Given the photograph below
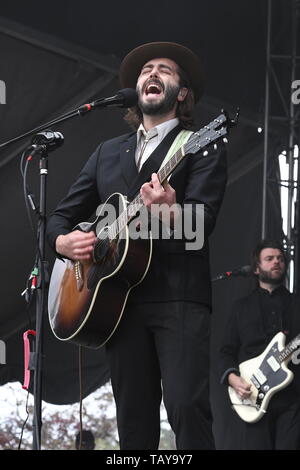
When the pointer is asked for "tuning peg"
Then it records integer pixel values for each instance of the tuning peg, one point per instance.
(234, 121)
(225, 140)
(205, 153)
(215, 146)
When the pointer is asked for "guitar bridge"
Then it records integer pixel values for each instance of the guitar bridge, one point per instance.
(78, 275)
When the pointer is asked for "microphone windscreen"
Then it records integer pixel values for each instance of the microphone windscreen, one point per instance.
(130, 97)
(246, 270)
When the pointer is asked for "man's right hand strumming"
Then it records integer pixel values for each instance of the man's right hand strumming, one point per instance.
(76, 245)
(241, 387)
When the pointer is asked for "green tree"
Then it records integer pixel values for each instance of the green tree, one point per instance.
(62, 423)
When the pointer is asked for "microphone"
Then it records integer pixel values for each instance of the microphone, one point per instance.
(47, 141)
(243, 271)
(125, 98)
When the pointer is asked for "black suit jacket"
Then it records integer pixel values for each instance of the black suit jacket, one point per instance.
(175, 273)
(246, 336)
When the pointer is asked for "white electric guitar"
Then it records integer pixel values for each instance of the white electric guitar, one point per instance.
(267, 374)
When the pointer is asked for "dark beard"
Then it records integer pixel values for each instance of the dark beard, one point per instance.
(164, 106)
(266, 277)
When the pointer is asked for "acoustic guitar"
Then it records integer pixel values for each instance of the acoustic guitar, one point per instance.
(87, 298)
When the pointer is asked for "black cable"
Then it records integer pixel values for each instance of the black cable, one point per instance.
(38, 259)
(80, 394)
(26, 192)
(24, 423)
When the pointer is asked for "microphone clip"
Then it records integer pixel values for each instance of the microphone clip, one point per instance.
(46, 141)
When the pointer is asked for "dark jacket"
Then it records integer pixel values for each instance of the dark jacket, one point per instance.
(175, 273)
(247, 333)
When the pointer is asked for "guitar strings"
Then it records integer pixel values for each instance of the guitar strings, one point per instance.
(245, 404)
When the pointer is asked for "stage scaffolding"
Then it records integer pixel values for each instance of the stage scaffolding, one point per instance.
(283, 113)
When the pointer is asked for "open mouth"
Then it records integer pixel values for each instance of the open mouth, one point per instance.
(153, 88)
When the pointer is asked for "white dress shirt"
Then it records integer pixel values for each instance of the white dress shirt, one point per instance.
(154, 136)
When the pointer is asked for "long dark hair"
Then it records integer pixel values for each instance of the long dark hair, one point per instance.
(184, 112)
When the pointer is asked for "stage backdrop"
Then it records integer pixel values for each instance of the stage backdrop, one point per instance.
(50, 64)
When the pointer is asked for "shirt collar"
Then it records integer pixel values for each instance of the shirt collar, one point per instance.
(162, 129)
(278, 290)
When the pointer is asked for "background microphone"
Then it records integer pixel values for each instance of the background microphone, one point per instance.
(242, 271)
(47, 140)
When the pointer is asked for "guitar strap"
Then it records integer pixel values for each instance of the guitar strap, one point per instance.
(174, 140)
(180, 140)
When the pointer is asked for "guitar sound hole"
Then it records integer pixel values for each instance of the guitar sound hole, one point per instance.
(105, 258)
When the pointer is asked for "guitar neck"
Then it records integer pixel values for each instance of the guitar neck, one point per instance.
(289, 349)
(163, 174)
(196, 142)
(136, 204)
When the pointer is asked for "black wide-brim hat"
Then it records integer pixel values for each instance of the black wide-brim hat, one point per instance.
(134, 61)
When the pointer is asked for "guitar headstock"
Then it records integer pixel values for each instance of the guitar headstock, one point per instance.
(212, 133)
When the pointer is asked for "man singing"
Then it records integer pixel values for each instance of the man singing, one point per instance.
(161, 346)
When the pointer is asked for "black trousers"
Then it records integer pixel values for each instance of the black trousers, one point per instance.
(162, 348)
(279, 429)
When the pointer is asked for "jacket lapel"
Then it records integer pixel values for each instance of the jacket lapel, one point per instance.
(153, 163)
(127, 159)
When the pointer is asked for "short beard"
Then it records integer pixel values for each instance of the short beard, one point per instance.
(164, 106)
(265, 276)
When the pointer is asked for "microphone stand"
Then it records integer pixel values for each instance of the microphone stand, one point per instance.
(42, 270)
(121, 99)
(43, 274)
(81, 111)
(41, 296)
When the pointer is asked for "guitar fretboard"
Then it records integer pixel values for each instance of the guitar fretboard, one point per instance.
(197, 141)
(289, 349)
(134, 206)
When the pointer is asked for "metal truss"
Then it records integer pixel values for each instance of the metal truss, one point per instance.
(282, 71)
